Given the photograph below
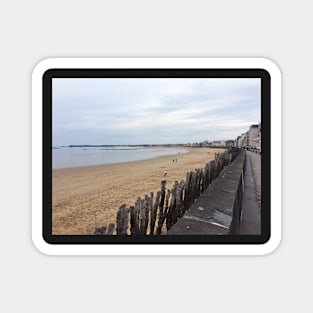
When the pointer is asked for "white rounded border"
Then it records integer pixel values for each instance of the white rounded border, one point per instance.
(155, 249)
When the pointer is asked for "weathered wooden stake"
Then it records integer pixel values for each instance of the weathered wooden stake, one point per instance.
(111, 229)
(153, 214)
(161, 208)
(134, 220)
(122, 220)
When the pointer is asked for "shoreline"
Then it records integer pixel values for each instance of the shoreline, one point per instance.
(121, 163)
(86, 197)
(186, 150)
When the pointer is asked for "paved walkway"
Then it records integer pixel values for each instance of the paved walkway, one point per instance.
(251, 201)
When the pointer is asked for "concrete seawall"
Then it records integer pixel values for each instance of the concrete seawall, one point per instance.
(217, 211)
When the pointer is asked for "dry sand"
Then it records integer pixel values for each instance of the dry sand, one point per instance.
(87, 197)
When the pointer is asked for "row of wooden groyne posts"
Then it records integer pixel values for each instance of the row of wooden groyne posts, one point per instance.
(156, 214)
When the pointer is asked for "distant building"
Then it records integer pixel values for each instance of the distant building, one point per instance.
(256, 141)
(238, 142)
(251, 138)
(253, 133)
(218, 143)
(229, 143)
(242, 140)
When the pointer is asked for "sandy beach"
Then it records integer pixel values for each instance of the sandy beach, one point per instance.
(87, 197)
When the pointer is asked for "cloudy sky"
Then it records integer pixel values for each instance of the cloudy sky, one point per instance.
(151, 110)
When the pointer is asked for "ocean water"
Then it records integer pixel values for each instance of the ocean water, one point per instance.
(63, 157)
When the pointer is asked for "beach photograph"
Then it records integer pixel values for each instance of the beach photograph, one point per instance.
(155, 156)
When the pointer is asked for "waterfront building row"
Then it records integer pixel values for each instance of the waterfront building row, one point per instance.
(251, 139)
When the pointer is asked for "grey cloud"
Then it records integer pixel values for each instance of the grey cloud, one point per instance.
(152, 111)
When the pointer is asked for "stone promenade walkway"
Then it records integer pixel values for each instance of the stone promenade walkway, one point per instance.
(251, 201)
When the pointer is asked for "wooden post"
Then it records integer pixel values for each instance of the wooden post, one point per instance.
(134, 220)
(201, 184)
(198, 183)
(111, 229)
(104, 230)
(163, 189)
(193, 188)
(210, 172)
(153, 214)
(161, 208)
(166, 214)
(183, 194)
(179, 199)
(171, 215)
(122, 220)
(144, 215)
(165, 211)
(100, 230)
(151, 211)
(187, 191)
(206, 176)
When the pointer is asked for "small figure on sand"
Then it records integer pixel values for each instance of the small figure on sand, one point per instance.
(165, 173)
(173, 160)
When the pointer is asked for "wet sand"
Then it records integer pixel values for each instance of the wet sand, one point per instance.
(87, 197)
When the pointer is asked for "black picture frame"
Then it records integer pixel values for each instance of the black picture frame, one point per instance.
(157, 73)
